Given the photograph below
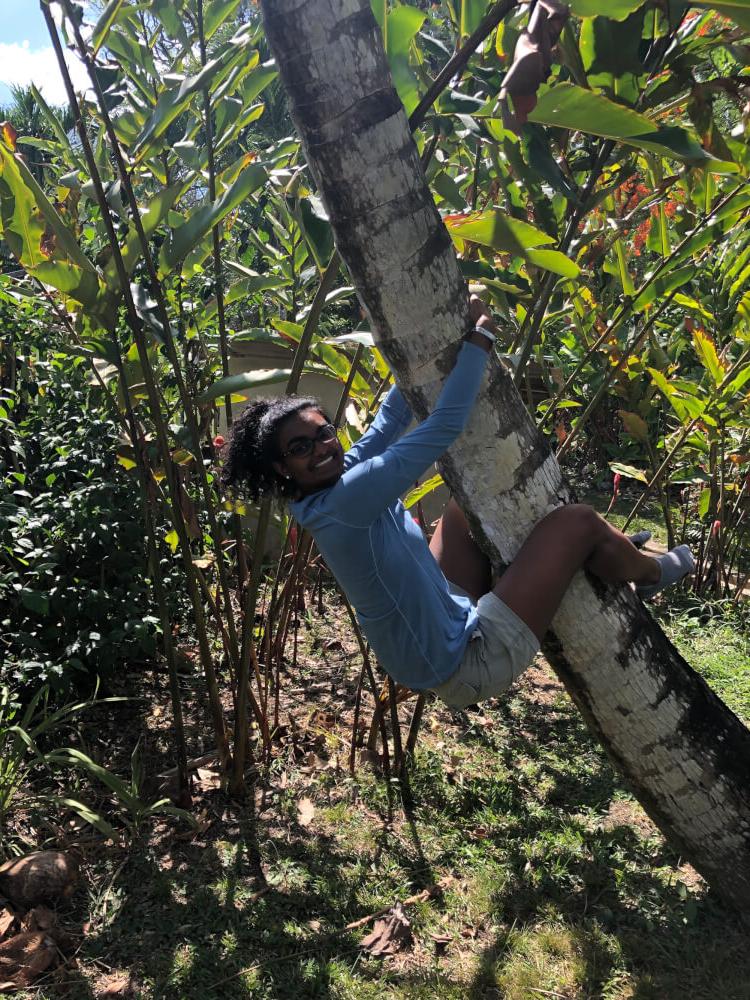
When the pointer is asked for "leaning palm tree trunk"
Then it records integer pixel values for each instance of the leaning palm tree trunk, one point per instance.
(684, 753)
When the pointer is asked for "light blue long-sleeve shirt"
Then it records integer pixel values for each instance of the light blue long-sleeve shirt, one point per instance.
(416, 627)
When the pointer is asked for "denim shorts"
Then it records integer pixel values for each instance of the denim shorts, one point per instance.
(498, 652)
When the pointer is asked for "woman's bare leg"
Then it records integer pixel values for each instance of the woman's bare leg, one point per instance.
(458, 555)
(562, 543)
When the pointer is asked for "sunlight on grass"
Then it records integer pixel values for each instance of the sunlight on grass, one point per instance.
(556, 961)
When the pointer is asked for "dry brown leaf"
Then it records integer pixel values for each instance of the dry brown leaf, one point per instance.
(208, 780)
(7, 919)
(305, 812)
(26, 956)
(392, 933)
(441, 942)
(115, 985)
(532, 60)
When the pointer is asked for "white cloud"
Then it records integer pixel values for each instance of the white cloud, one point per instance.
(22, 65)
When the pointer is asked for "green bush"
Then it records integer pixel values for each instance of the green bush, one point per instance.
(73, 588)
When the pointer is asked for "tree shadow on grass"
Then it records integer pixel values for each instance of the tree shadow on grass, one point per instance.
(666, 945)
(203, 922)
(613, 898)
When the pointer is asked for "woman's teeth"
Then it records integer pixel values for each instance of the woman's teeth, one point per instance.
(325, 461)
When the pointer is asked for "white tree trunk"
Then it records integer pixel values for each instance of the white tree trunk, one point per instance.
(685, 754)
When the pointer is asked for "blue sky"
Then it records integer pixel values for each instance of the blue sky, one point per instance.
(26, 54)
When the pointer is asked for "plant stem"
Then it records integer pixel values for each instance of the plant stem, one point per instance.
(158, 292)
(153, 395)
(457, 61)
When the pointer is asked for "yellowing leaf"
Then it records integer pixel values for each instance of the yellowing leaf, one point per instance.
(706, 351)
(9, 135)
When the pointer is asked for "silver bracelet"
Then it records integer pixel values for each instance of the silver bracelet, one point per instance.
(484, 332)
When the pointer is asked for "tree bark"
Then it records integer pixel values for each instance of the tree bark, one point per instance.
(683, 752)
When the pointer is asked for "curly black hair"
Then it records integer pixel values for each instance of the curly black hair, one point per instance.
(253, 447)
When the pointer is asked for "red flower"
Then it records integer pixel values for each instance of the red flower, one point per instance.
(716, 528)
(616, 483)
(219, 441)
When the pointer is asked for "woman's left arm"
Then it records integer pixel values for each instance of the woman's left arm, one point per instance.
(366, 489)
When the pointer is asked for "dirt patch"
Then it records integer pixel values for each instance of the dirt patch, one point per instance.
(627, 812)
(540, 685)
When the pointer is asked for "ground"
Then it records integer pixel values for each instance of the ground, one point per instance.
(529, 870)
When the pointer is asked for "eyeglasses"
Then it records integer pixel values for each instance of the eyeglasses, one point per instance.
(301, 447)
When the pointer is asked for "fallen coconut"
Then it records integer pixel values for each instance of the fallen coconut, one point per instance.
(44, 876)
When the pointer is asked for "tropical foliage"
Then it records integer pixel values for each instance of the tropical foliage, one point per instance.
(178, 220)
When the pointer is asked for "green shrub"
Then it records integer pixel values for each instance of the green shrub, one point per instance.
(73, 588)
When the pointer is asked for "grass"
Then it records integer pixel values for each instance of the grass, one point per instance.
(554, 881)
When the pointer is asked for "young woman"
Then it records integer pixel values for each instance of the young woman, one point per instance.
(431, 614)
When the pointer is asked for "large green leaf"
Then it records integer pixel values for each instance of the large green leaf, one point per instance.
(39, 237)
(243, 381)
(86, 813)
(154, 214)
(706, 351)
(472, 12)
(678, 144)
(380, 10)
(493, 228)
(186, 238)
(52, 120)
(317, 229)
(403, 22)
(171, 102)
(421, 491)
(553, 260)
(629, 470)
(71, 757)
(244, 289)
(105, 22)
(168, 13)
(138, 59)
(662, 286)
(258, 81)
(448, 190)
(217, 13)
(618, 10)
(570, 106)
(337, 365)
(612, 54)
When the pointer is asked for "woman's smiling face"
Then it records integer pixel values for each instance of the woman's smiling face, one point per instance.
(324, 463)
